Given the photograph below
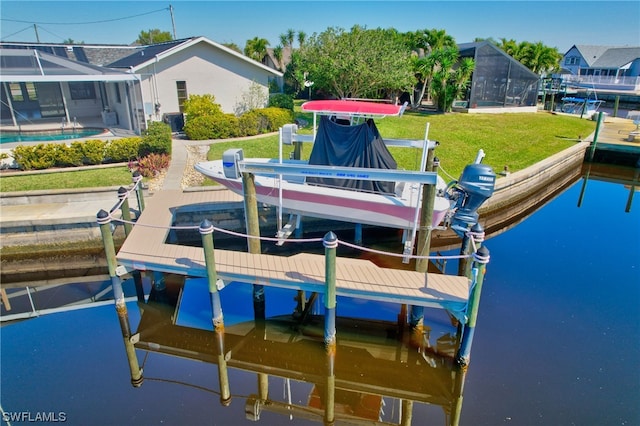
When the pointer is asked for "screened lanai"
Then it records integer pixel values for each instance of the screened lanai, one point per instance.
(498, 80)
(40, 89)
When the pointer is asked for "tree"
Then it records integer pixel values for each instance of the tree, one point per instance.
(422, 43)
(537, 57)
(451, 76)
(233, 47)
(72, 41)
(153, 36)
(256, 48)
(360, 63)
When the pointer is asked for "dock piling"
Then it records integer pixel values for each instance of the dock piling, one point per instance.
(330, 242)
(124, 208)
(253, 230)
(206, 232)
(137, 177)
(104, 220)
(481, 258)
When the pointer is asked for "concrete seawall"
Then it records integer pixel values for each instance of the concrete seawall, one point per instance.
(33, 220)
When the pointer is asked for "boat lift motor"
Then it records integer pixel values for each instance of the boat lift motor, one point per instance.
(475, 185)
(230, 159)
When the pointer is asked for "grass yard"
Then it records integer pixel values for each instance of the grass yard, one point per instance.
(513, 140)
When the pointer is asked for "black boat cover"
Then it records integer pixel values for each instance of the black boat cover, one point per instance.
(351, 146)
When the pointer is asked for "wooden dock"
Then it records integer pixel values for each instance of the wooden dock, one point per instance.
(146, 249)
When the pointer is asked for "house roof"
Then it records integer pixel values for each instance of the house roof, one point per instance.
(130, 57)
(608, 56)
(22, 65)
(617, 57)
(146, 55)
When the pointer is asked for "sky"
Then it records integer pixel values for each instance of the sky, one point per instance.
(559, 24)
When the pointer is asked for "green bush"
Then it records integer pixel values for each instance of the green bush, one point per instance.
(201, 105)
(35, 157)
(281, 100)
(264, 120)
(217, 126)
(68, 155)
(92, 150)
(156, 139)
(122, 150)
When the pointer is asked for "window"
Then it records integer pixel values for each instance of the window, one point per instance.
(82, 90)
(31, 91)
(181, 87)
(572, 60)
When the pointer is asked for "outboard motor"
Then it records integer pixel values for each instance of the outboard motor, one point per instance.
(475, 186)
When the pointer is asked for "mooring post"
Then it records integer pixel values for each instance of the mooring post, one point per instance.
(206, 232)
(481, 258)
(407, 413)
(104, 220)
(330, 391)
(253, 240)
(124, 208)
(595, 137)
(330, 243)
(458, 390)
(426, 216)
(472, 239)
(137, 177)
(223, 373)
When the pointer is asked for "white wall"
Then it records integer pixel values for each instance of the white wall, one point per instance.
(206, 70)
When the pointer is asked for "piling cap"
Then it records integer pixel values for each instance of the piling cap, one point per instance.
(122, 192)
(103, 217)
(206, 227)
(330, 240)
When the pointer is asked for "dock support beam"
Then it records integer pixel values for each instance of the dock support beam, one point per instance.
(481, 258)
(253, 241)
(137, 177)
(330, 243)
(206, 231)
(592, 151)
(104, 220)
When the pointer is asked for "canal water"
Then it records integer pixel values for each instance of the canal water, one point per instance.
(557, 343)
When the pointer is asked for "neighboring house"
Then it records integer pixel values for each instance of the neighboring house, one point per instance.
(271, 61)
(603, 67)
(499, 82)
(161, 76)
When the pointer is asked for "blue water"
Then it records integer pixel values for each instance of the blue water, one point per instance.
(557, 340)
(7, 137)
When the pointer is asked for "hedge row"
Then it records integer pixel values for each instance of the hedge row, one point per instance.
(254, 122)
(157, 140)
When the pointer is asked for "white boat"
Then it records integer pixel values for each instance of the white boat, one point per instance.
(330, 185)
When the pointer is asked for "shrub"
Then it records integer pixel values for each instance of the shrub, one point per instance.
(156, 139)
(92, 150)
(151, 165)
(281, 100)
(211, 127)
(201, 105)
(121, 150)
(68, 155)
(264, 120)
(35, 157)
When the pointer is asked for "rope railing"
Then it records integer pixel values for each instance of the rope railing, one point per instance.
(474, 237)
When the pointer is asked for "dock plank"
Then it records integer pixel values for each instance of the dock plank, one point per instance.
(145, 249)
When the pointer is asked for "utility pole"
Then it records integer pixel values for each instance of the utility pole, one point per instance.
(35, 28)
(173, 22)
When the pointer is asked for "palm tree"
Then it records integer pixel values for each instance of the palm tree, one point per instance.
(256, 48)
(451, 76)
(277, 54)
(302, 37)
(540, 58)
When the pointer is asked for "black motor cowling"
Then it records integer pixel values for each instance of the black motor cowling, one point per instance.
(475, 186)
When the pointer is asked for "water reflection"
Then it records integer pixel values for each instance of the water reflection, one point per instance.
(376, 374)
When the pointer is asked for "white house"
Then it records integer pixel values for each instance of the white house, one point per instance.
(121, 86)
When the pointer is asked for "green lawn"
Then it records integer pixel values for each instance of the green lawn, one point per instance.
(513, 140)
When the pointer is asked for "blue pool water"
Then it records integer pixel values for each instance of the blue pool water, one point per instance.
(557, 339)
(53, 135)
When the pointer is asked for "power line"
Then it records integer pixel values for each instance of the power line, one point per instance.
(18, 32)
(84, 23)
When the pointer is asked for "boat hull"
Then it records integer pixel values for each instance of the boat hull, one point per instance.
(297, 197)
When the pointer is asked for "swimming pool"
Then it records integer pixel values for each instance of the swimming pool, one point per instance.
(48, 135)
